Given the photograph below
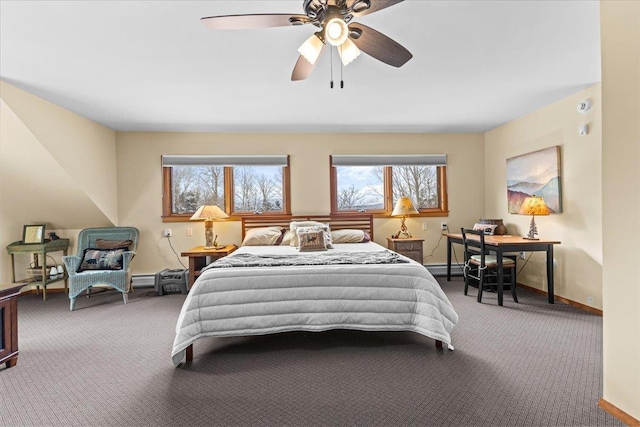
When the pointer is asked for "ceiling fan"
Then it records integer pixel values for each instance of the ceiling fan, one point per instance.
(333, 18)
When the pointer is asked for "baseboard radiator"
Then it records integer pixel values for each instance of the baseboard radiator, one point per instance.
(143, 280)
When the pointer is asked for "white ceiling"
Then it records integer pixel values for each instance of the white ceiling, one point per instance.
(151, 65)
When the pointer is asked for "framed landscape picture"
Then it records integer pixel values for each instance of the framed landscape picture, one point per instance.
(536, 173)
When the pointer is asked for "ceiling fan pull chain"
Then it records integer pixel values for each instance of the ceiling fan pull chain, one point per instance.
(341, 68)
(331, 66)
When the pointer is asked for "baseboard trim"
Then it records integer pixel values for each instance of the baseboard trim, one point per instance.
(564, 300)
(456, 270)
(618, 413)
(49, 291)
(148, 281)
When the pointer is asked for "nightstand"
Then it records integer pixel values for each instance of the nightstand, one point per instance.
(198, 259)
(411, 248)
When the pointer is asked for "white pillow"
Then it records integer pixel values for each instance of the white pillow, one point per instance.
(347, 236)
(287, 238)
(262, 236)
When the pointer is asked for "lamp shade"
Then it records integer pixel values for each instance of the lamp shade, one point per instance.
(311, 49)
(534, 205)
(348, 52)
(404, 207)
(208, 212)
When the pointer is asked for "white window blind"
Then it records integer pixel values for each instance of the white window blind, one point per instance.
(389, 160)
(214, 160)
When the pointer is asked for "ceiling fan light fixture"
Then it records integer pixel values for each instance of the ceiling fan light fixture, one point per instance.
(311, 49)
(336, 31)
(348, 52)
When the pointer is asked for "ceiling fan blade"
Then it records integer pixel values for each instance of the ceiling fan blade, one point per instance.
(378, 45)
(375, 5)
(241, 22)
(303, 68)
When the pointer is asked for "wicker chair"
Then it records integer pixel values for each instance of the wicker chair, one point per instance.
(119, 279)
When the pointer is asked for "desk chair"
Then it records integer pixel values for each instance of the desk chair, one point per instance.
(483, 267)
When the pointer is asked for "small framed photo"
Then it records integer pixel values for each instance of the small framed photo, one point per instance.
(33, 234)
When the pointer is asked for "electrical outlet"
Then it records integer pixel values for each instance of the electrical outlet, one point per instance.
(521, 255)
(444, 226)
(425, 226)
(167, 232)
(555, 263)
(189, 231)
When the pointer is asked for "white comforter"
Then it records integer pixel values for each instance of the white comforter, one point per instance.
(263, 300)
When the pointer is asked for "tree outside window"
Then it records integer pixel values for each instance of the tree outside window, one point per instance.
(194, 186)
(257, 189)
(238, 190)
(376, 189)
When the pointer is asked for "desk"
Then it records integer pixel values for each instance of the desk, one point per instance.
(198, 259)
(502, 244)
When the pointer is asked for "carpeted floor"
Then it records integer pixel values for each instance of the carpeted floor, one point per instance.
(527, 364)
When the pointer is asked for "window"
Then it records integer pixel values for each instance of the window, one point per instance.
(373, 184)
(239, 185)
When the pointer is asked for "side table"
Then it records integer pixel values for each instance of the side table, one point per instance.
(410, 247)
(9, 322)
(198, 259)
(39, 252)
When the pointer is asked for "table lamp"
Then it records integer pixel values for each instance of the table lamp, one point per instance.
(209, 213)
(403, 208)
(533, 205)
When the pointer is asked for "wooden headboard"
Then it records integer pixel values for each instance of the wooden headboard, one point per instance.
(362, 222)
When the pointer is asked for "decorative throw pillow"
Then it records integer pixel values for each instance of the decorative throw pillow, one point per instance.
(487, 228)
(263, 236)
(113, 244)
(294, 225)
(311, 239)
(97, 259)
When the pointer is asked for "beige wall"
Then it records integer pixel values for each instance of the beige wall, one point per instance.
(140, 182)
(84, 149)
(56, 168)
(620, 37)
(578, 272)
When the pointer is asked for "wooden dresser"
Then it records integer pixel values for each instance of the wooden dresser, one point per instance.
(9, 323)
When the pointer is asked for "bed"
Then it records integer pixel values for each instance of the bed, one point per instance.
(268, 289)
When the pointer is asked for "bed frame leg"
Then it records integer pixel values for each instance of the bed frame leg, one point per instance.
(190, 353)
(438, 344)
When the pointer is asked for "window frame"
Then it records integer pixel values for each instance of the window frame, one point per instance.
(167, 196)
(442, 211)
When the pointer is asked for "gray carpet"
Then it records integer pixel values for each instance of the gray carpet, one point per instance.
(109, 364)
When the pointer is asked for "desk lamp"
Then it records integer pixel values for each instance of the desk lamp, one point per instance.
(533, 205)
(209, 213)
(403, 208)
